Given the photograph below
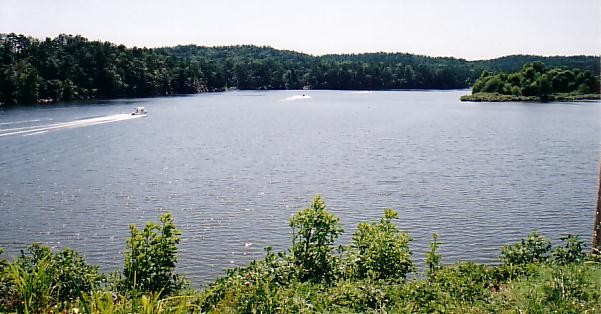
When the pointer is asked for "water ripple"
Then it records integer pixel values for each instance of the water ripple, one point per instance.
(233, 169)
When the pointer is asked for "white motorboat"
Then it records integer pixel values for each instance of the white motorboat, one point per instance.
(139, 111)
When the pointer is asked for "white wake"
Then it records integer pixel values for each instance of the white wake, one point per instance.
(297, 97)
(23, 121)
(40, 129)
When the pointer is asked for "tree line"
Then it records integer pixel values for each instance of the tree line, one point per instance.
(70, 67)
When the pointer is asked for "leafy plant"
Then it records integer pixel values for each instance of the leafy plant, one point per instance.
(572, 251)
(40, 278)
(382, 251)
(314, 231)
(377, 261)
(534, 249)
(31, 286)
(150, 258)
(432, 257)
(3, 262)
(464, 281)
(5, 285)
(71, 276)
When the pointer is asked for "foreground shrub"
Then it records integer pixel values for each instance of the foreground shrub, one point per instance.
(534, 249)
(571, 252)
(5, 283)
(368, 276)
(465, 281)
(150, 258)
(72, 276)
(31, 287)
(314, 231)
(41, 279)
(381, 251)
(253, 288)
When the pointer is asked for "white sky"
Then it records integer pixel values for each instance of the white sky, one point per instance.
(471, 29)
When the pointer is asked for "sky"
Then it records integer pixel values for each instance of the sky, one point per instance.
(470, 29)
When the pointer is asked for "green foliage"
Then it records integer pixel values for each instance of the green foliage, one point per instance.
(314, 231)
(71, 67)
(465, 281)
(150, 258)
(3, 262)
(535, 80)
(381, 251)
(43, 279)
(40, 281)
(31, 286)
(496, 97)
(493, 85)
(433, 259)
(5, 285)
(534, 249)
(571, 252)
(574, 288)
(106, 302)
(254, 288)
(72, 276)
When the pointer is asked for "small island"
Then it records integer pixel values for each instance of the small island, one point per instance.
(536, 83)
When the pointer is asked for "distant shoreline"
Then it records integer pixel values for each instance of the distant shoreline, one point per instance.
(496, 97)
(71, 67)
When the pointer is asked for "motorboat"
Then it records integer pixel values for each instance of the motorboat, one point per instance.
(139, 111)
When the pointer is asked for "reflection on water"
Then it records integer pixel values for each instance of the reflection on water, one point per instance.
(233, 168)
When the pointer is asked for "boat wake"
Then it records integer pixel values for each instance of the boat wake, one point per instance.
(297, 97)
(40, 129)
(23, 121)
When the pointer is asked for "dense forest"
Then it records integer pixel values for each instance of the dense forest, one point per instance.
(535, 82)
(71, 67)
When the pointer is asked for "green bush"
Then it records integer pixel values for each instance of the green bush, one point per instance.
(41, 278)
(314, 231)
(150, 258)
(465, 281)
(5, 285)
(3, 262)
(31, 286)
(254, 288)
(72, 276)
(421, 297)
(381, 251)
(571, 252)
(534, 249)
(369, 277)
(433, 259)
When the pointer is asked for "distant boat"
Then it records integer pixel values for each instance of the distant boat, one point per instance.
(139, 111)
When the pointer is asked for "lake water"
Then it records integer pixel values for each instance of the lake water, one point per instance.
(233, 167)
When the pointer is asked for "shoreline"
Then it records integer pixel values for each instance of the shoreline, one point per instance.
(496, 97)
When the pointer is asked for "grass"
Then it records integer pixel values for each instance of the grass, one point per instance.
(459, 289)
